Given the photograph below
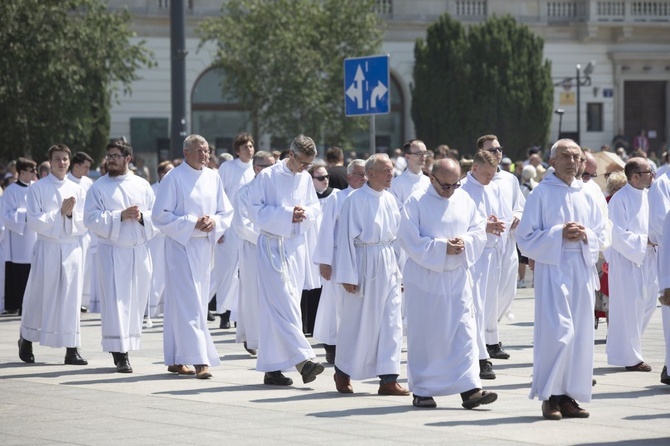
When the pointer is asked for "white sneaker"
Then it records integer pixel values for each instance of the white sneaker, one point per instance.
(521, 284)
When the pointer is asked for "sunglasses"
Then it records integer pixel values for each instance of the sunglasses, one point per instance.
(322, 178)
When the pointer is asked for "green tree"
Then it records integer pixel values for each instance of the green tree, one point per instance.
(283, 60)
(497, 82)
(63, 63)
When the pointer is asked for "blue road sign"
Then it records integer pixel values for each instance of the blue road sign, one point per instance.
(366, 86)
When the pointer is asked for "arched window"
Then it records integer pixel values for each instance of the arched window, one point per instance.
(215, 115)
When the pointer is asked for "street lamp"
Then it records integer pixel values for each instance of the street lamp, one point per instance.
(587, 81)
(559, 112)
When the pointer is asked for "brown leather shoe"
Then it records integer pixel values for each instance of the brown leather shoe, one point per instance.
(202, 372)
(392, 389)
(343, 383)
(550, 409)
(181, 369)
(570, 409)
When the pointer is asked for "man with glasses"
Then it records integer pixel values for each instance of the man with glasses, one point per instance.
(486, 270)
(369, 337)
(632, 269)
(52, 302)
(192, 210)
(118, 211)
(19, 238)
(443, 234)
(563, 230)
(412, 179)
(284, 206)
(325, 325)
(512, 201)
(587, 172)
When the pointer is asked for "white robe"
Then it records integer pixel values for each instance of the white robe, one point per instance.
(283, 259)
(225, 279)
(327, 317)
(157, 251)
(248, 323)
(438, 292)
(486, 270)
(123, 262)
(565, 283)
(20, 238)
(52, 301)
(659, 206)
(512, 200)
(86, 241)
(369, 337)
(184, 195)
(633, 281)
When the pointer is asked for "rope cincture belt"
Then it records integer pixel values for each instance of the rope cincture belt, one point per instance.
(358, 243)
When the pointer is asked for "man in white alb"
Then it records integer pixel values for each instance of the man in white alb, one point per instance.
(443, 234)
(192, 210)
(562, 229)
(284, 206)
(118, 210)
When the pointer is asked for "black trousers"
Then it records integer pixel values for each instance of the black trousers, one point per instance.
(309, 303)
(16, 278)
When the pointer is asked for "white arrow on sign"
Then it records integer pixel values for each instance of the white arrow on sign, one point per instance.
(355, 90)
(377, 93)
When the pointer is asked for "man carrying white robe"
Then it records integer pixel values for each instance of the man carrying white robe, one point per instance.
(192, 210)
(633, 269)
(52, 301)
(79, 168)
(443, 234)
(225, 281)
(512, 202)
(284, 206)
(486, 270)
(562, 229)
(118, 210)
(327, 319)
(248, 328)
(369, 337)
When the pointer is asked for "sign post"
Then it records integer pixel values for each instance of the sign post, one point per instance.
(366, 89)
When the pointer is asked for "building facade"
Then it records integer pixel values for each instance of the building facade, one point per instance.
(618, 50)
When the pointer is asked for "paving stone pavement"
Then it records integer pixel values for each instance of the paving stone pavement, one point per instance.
(48, 403)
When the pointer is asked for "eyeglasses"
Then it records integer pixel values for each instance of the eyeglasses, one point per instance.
(589, 175)
(646, 171)
(447, 187)
(322, 178)
(359, 175)
(420, 153)
(31, 170)
(303, 164)
(200, 152)
(263, 166)
(114, 156)
(495, 149)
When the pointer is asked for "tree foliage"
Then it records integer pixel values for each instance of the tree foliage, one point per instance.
(62, 63)
(491, 78)
(283, 60)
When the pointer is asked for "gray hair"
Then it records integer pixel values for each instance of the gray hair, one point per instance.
(561, 143)
(355, 163)
(303, 144)
(192, 139)
(374, 159)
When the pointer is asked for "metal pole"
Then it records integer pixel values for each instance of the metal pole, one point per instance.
(178, 79)
(373, 137)
(579, 116)
(560, 123)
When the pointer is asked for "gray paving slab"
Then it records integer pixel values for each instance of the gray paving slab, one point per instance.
(49, 403)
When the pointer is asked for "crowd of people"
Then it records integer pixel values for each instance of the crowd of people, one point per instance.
(283, 245)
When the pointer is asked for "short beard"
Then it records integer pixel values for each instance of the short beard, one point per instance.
(116, 172)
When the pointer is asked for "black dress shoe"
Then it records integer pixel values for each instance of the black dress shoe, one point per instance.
(72, 357)
(276, 379)
(26, 351)
(486, 369)
(330, 353)
(210, 316)
(310, 370)
(123, 364)
(225, 320)
(84, 309)
(251, 351)
(496, 351)
(665, 379)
